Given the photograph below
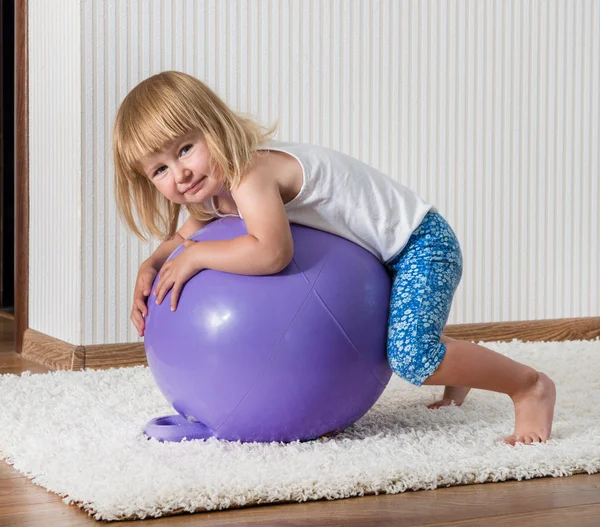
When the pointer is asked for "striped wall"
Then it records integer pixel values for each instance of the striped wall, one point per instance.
(489, 109)
(55, 169)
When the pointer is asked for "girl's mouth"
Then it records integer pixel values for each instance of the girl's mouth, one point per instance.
(194, 187)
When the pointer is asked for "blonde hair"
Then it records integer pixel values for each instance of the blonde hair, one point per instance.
(159, 110)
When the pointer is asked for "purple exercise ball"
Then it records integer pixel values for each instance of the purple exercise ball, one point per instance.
(283, 357)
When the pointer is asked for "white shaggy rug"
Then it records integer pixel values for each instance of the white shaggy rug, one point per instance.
(79, 434)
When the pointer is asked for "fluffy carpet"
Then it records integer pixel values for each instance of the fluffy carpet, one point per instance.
(79, 435)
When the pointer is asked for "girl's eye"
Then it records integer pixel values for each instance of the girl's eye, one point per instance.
(159, 170)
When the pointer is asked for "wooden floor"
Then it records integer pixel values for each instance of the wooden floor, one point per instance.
(548, 502)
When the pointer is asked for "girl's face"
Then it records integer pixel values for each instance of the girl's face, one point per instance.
(181, 171)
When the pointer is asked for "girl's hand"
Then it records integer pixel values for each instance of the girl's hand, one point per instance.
(143, 286)
(176, 272)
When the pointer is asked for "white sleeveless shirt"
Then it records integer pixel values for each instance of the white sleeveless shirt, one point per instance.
(347, 197)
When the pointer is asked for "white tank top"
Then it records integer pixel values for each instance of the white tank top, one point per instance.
(347, 197)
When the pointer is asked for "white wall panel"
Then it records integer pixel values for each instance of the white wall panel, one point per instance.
(489, 109)
(55, 165)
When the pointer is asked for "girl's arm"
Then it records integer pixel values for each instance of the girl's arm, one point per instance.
(268, 247)
(162, 252)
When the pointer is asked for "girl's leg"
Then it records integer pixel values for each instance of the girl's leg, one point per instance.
(452, 394)
(533, 393)
(425, 277)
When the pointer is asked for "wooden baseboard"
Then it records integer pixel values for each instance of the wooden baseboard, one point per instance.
(59, 355)
(528, 330)
(51, 352)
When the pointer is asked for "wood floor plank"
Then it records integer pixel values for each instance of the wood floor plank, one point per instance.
(48, 515)
(581, 516)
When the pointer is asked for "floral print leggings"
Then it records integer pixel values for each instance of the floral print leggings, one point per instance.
(425, 275)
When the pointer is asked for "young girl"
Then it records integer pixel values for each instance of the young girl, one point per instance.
(177, 144)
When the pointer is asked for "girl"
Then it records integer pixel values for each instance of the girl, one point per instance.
(177, 144)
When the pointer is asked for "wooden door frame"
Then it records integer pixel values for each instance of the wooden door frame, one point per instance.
(21, 128)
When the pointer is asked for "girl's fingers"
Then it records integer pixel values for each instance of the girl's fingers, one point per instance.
(160, 285)
(142, 291)
(175, 296)
(164, 290)
(138, 322)
(141, 306)
(148, 285)
(143, 287)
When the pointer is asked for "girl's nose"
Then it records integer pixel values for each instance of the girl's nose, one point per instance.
(183, 175)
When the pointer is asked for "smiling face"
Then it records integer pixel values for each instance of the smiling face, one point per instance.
(181, 171)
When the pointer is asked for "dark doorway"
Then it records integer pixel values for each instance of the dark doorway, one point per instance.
(7, 182)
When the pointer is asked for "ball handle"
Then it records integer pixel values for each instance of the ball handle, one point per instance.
(175, 428)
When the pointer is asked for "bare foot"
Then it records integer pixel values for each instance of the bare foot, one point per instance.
(534, 411)
(452, 394)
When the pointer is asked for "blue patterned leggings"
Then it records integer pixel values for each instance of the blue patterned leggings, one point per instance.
(425, 276)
